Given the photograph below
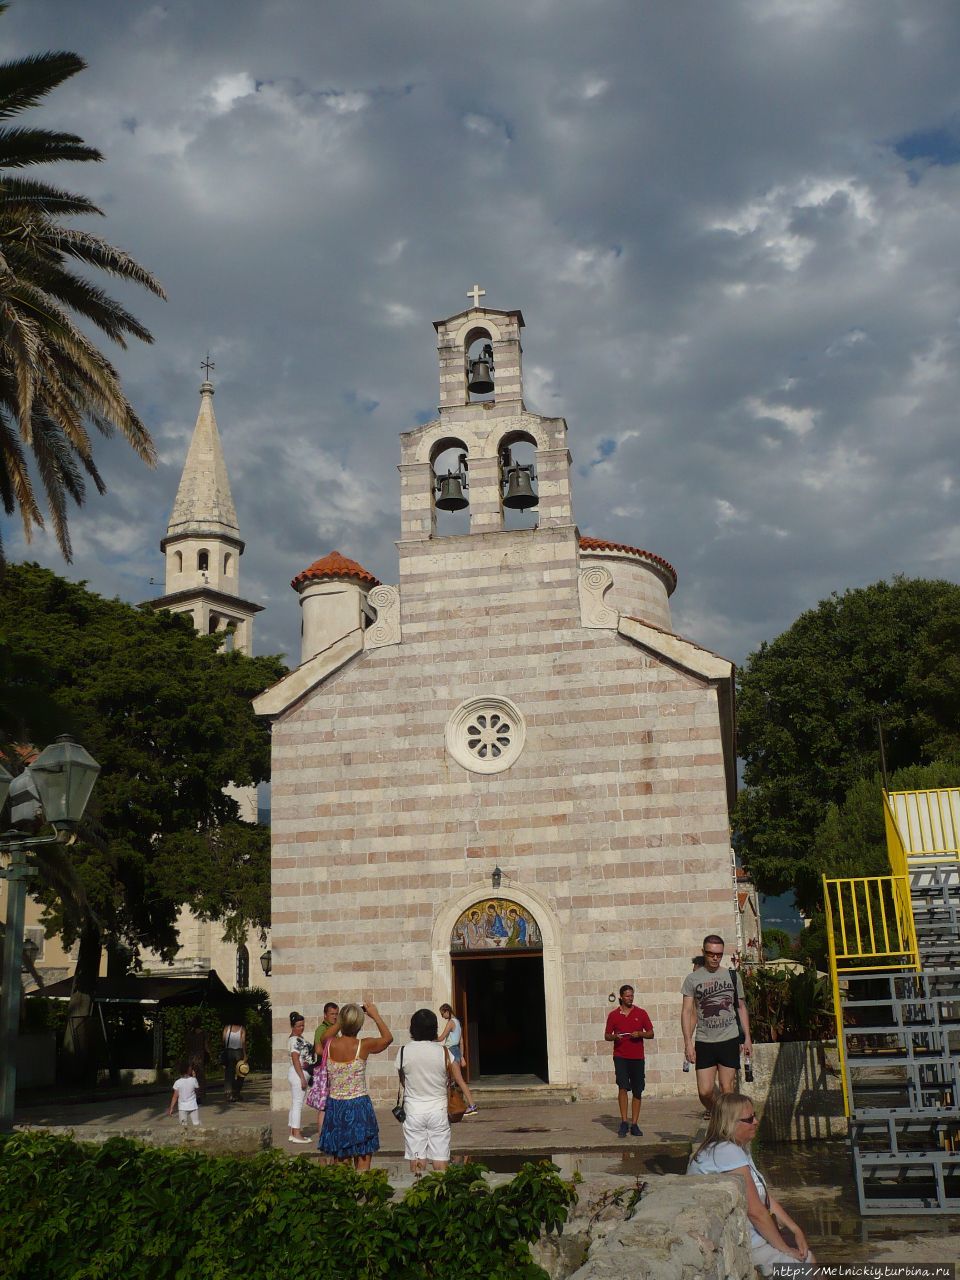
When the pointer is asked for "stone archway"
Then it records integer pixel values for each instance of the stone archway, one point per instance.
(549, 954)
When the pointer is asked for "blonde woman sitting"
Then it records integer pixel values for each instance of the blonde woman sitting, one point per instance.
(726, 1149)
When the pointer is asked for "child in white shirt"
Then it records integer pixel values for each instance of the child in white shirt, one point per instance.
(185, 1095)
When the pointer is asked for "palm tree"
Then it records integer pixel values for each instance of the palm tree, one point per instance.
(55, 382)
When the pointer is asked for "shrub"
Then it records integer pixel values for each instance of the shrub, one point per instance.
(75, 1211)
(787, 1005)
(252, 1007)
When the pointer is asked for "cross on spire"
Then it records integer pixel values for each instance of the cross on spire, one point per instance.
(476, 293)
(207, 364)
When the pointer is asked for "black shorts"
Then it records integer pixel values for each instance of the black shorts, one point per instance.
(725, 1053)
(630, 1074)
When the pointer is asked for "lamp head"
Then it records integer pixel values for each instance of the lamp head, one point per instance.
(64, 774)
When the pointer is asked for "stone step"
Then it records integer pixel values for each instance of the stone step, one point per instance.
(502, 1095)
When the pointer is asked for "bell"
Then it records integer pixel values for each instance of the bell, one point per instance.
(481, 376)
(450, 494)
(520, 494)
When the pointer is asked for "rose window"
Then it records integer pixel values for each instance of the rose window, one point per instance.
(485, 735)
(489, 735)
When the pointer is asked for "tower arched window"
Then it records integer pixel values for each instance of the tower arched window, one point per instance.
(243, 966)
(517, 452)
(478, 365)
(178, 561)
(451, 487)
(227, 564)
(203, 561)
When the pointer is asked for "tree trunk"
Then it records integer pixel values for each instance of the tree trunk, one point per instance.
(82, 1040)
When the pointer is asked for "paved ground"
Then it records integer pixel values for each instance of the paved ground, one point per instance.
(814, 1181)
(502, 1130)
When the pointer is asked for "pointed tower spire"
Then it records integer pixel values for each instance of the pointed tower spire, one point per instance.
(202, 547)
(204, 503)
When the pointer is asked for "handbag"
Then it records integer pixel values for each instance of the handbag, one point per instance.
(456, 1102)
(736, 1007)
(319, 1090)
(399, 1111)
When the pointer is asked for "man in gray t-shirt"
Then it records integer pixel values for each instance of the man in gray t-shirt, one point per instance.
(712, 995)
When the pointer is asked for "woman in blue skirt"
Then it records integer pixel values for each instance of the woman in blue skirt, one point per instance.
(349, 1124)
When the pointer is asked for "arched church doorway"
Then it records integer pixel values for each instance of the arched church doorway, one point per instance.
(496, 951)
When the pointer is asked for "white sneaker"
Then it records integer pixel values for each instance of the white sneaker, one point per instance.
(292, 1139)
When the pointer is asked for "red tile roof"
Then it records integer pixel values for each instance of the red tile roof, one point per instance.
(334, 566)
(600, 544)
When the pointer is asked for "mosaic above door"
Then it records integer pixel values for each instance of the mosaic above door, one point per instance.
(496, 924)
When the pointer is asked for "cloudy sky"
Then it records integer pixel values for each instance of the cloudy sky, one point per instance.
(731, 226)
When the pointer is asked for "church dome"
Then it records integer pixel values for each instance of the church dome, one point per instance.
(335, 567)
(643, 582)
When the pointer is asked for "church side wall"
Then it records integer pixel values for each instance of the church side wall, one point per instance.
(614, 814)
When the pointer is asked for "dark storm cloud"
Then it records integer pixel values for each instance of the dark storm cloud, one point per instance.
(731, 229)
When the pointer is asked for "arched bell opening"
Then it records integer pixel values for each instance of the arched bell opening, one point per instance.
(478, 366)
(451, 487)
(203, 561)
(517, 452)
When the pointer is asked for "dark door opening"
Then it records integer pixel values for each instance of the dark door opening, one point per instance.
(500, 1002)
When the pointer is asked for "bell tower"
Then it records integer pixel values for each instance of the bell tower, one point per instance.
(202, 547)
(484, 422)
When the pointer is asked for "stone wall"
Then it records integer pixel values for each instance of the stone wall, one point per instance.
(797, 1090)
(613, 821)
(682, 1228)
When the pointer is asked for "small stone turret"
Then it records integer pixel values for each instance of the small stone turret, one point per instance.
(333, 593)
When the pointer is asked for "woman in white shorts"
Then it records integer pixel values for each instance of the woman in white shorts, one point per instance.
(423, 1068)
(726, 1149)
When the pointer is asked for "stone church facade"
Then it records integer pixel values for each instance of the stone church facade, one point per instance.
(503, 782)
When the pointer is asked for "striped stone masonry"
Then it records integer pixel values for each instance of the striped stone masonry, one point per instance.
(611, 826)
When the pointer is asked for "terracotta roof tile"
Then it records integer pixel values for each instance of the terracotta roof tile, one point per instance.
(334, 566)
(601, 544)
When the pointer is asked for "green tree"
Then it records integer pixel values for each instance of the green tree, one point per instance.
(169, 719)
(809, 705)
(776, 943)
(55, 383)
(851, 840)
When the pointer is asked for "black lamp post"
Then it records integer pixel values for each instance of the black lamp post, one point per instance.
(54, 789)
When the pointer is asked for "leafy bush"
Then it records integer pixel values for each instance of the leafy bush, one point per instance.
(40, 1014)
(76, 1211)
(252, 1007)
(788, 1006)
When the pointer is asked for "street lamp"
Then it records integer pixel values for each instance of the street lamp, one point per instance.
(266, 963)
(55, 788)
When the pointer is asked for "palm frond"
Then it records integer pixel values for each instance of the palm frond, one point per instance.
(97, 252)
(20, 195)
(25, 81)
(22, 147)
(54, 380)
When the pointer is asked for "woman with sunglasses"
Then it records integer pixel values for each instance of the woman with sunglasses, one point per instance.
(726, 1149)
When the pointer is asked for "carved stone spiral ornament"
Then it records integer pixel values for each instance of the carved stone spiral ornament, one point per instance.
(594, 580)
(486, 734)
(386, 629)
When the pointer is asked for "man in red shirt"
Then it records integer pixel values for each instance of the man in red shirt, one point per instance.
(628, 1026)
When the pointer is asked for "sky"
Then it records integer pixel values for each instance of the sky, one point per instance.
(731, 227)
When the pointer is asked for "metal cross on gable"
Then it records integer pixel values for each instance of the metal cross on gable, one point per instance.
(207, 364)
(476, 293)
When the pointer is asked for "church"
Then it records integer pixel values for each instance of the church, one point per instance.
(503, 782)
